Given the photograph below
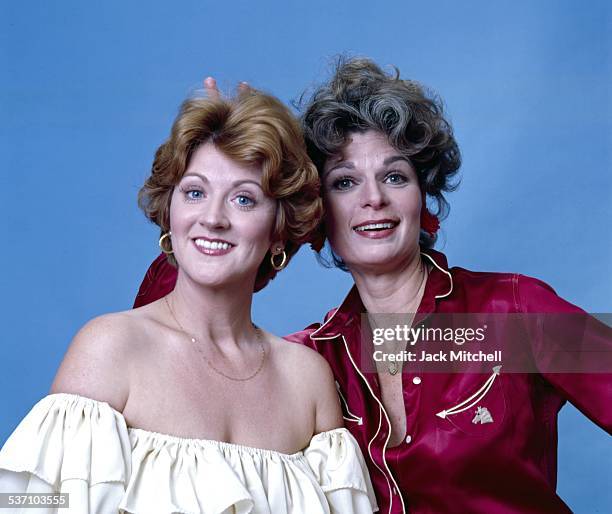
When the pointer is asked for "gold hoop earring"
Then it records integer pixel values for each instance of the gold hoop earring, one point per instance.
(283, 262)
(161, 243)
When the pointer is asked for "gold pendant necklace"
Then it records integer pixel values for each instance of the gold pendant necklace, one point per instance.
(209, 362)
(392, 366)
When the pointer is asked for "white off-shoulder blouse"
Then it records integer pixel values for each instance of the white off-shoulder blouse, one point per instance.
(76, 445)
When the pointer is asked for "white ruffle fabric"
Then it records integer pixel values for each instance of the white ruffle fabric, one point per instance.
(71, 444)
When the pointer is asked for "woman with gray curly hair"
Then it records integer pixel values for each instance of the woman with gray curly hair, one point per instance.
(439, 438)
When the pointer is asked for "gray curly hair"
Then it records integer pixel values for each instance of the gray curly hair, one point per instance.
(360, 96)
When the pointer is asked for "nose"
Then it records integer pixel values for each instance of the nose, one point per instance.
(373, 195)
(213, 215)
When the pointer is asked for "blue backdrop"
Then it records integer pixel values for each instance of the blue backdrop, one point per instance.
(89, 90)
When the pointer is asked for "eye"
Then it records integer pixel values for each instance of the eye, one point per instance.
(343, 183)
(192, 194)
(244, 201)
(395, 178)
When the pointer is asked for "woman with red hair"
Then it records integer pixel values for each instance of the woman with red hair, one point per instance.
(183, 404)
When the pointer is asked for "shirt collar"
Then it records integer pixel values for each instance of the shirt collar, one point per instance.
(439, 285)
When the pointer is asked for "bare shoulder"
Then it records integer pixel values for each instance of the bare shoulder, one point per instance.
(300, 357)
(313, 376)
(96, 364)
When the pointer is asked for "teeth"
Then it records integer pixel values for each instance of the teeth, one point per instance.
(212, 245)
(374, 226)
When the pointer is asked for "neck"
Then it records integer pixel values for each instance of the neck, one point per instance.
(219, 315)
(398, 291)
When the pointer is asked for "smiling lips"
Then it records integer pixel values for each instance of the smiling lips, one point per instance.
(213, 246)
(376, 229)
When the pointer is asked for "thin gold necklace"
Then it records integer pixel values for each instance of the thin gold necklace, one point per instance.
(393, 366)
(218, 371)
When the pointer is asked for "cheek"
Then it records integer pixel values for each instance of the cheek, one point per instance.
(409, 204)
(178, 215)
(415, 210)
(257, 228)
(257, 232)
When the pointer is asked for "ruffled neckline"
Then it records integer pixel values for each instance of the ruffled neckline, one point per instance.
(162, 438)
(69, 442)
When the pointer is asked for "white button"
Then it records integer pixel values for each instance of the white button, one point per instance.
(416, 380)
(408, 439)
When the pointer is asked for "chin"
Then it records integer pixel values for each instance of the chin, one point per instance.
(212, 277)
(380, 262)
(210, 282)
(373, 262)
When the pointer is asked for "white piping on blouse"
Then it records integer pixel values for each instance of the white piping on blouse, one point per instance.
(381, 408)
(450, 277)
(352, 417)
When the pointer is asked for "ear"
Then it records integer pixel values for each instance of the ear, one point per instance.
(277, 247)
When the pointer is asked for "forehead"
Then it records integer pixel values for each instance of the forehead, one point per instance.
(210, 162)
(363, 148)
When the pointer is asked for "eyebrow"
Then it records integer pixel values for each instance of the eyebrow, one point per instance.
(395, 158)
(234, 184)
(351, 166)
(344, 164)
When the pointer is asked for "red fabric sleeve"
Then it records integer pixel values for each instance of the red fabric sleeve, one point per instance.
(158, 281)
(567, 332)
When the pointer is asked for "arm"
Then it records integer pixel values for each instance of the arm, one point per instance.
(328, 411)
(564, 339)
(78, 442)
